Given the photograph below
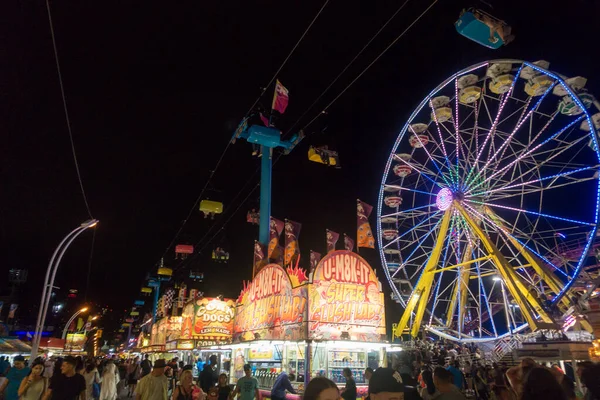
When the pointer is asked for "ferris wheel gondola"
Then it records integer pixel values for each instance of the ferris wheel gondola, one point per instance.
(490, 184)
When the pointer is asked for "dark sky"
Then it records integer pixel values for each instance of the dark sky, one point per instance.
(155, 90)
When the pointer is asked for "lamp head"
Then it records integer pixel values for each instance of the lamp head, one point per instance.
(84, 309)
(89, 223)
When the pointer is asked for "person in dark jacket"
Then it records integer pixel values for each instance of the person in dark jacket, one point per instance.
(282, 383)
(146, 366)
(208, 378)
(350, 390)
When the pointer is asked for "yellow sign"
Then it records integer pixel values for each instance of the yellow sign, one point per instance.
(185, 344)
(261, 353)
(75, 341)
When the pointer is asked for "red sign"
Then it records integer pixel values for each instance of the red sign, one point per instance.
(345, 297)
(184, 249)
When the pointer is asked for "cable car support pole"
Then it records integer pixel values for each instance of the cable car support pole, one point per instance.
(266, 167)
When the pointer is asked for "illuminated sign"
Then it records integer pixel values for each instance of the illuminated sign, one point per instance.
(209, 319)
(185, 344)
(267, 353)
(271, 308)
(171, 345)
(345, 299)
(75, 341)
(173, 330)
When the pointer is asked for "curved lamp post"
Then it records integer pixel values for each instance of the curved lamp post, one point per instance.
(64, 334)
(49, 282)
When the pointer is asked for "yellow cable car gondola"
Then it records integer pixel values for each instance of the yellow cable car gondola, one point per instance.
(146, 290)
(164, 271)
(323, 155)
(210, 208)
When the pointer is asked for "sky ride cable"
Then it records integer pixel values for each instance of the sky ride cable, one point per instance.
(213, 171)
(264, 89)
(349, 64)
(198, 252)
(66, 110)
(371, 64)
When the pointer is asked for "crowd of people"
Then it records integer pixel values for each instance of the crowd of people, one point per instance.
(443, 371)
(428, 371)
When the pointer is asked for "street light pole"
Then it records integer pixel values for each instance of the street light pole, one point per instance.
(64, 334)
(49, 281)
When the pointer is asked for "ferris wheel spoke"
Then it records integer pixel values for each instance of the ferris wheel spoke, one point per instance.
(417, 226)
(443, 147)
(524, 117)
(508, 235)
(525, 154)
(409, 259)
(441, 274)
(421, 172)
(407, 189)
(490, 134)
(440, 173)
(481, 287)
(399, 213)
(554, 177)
(536, 190)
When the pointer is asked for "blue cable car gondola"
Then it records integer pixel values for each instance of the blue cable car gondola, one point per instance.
(483, 28)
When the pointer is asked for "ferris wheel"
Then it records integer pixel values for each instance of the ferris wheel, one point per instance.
(493, 175)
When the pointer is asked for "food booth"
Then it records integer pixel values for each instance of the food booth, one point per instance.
(208, 324)
(313, 326)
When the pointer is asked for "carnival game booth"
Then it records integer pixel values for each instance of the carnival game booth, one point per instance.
(311, 327)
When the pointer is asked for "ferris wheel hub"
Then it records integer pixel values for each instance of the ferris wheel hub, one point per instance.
(444, 199)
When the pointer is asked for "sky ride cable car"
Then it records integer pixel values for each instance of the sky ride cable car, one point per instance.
(322, 155)
(220, 255)
(183, 250)
(196, 276)
(211, 208)
(483, 28)
(146, 291)
(253, 217)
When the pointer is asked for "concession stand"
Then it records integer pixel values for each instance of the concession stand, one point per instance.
(310, 326)
(208, 327)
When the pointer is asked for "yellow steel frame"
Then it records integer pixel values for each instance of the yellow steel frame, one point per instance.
(463, 264)
(528, 304)
(545, 274)
(514, 284)
(420, 294)
(460, 290)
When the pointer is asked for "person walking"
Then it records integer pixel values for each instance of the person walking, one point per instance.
(133, 373)
(207, 378)
(34, 385)
(224, 388)
(442, 379)
(68, 385)
(349, 392)
(187, 390)
(108, 390)
(91, 377)
(247, 386)
(154, 385)
(146, 366)
(282, 383)
(4, 365)
(14, 377)
(321, 388)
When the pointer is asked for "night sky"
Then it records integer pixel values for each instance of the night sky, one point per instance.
(155, 90)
